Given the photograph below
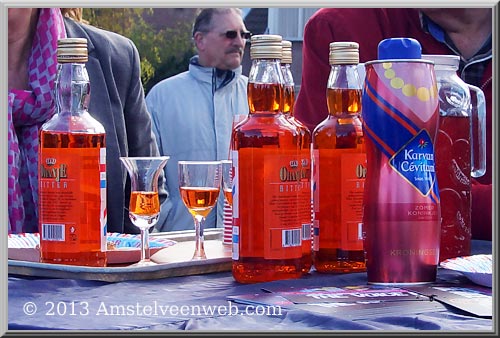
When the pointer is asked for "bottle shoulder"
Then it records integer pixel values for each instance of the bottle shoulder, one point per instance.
(70, 123)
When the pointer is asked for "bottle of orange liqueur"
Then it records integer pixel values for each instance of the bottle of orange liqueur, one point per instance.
(72, 161)
(339, 168)
(304, 192)
(266, 230)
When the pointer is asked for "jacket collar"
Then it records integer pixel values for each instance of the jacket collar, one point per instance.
(216, 77)
(429, 26)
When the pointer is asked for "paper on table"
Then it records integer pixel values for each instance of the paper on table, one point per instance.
(478, 268)
(126, 247)
(470, 298)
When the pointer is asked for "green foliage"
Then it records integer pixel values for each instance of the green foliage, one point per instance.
(164, 51)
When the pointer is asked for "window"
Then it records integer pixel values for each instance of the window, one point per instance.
(289, 22)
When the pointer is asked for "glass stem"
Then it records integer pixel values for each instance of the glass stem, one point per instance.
(145, 245)
(199, 251)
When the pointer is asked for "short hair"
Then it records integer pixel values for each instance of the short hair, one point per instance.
(203, 21)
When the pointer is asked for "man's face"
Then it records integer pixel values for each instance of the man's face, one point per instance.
(218, 50)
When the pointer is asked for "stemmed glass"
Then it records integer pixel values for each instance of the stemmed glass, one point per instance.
(199, 184)
(144, 207)
(227, 184)
(227, 180)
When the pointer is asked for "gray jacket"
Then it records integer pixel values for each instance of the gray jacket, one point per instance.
(117, 101)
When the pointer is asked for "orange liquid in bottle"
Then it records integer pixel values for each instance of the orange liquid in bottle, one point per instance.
(71, 205)
(265, 143)
(338, 143)
(304, 194)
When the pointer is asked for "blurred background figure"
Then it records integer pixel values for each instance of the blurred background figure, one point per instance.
(193, 111)
(117, 101)
(466, 32)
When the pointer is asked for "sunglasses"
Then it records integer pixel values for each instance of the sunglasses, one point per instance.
(233, 34)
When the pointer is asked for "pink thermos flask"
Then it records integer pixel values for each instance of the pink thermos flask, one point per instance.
(401, 206)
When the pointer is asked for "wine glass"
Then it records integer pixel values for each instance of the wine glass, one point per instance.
(227, 188)
(144, 207)
(227, 180)
(199, 185)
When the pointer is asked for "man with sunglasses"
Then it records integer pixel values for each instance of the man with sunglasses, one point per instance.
(193, 111)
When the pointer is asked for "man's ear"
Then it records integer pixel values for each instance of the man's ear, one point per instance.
(199, 40)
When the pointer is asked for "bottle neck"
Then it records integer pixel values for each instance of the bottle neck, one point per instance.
(344, 91)
(447, 72)
(289, 90)
(286, 69)
(72, 88)
(265, 87)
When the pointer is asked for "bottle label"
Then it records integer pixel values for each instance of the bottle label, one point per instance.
(409, 212)
(305, 201)
(338, 199)
(415, 162)
(400, 112)
(352, 173)
(72, 182)
(235, 237)
(315, 197)
(104, 211)
(315, 244)
(267, 213)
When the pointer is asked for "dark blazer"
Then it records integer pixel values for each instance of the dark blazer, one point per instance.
(117, 101)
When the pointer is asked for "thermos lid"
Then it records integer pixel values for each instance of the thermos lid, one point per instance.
(399, 48)
(287, 52)
(266, 46)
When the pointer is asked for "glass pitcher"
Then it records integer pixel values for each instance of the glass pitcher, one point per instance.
(460, 152)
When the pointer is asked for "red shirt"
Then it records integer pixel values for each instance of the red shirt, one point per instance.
(369, 26)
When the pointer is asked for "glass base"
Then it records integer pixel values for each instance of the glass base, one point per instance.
(198, 257)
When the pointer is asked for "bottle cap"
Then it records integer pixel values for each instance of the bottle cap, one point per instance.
(72, 50)
(287, 52)
(443, 60)
(266, 46)
(344, 53)
(399, 48)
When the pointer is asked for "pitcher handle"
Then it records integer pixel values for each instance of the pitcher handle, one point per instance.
(478, 132)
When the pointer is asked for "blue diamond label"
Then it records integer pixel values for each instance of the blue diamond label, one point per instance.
(415, 162)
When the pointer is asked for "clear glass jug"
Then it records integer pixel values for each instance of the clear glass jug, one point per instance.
(460, 152)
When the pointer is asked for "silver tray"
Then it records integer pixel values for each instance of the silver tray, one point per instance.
(173, 261)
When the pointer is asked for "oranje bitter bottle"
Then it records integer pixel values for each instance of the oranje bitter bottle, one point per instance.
(339, 168)
(266, 230)
(304, 192)
(72, 162)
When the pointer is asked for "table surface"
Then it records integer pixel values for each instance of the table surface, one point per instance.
(200, 302)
